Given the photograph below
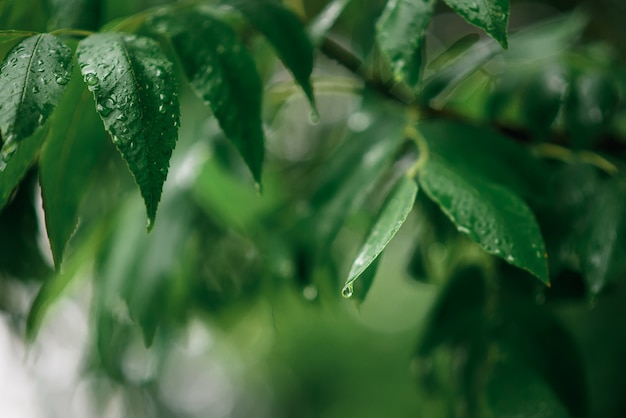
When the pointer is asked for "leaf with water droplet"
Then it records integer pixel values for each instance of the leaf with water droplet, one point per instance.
(400, 32)
(287, 35)
(13, 170)
(68, 157)
(490, 15)
(121, 71)
(28, 97)
(486, 212)
(222, 72)
(391, 217)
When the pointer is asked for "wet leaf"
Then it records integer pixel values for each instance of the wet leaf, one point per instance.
(295, 49)
(391, 217)
(67, 163)
(222, 73)
(12, 172)
(33, 78)
(490, 15)
(400, 31)
(490, 214)
(137, 99)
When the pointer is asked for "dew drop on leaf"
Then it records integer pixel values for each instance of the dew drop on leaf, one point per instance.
(347, 291)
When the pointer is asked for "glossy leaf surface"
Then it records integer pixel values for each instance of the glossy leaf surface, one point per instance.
(67, 162)
(137, 99)
(393, 214)
(490, 15)
(33, 78)
(490, 214)
(295, 50)
(400, 31)
(222, 73)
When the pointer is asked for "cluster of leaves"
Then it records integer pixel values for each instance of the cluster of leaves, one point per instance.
(440, 156)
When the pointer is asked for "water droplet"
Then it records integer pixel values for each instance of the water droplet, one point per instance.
(347, 291)
(162, 108)
(149, 224)
(474, 7)
(61, 80)
(103, 110)
(8, 150)
(314, 117)
(91, 79)
(510, 258)
(35, 89)
(121, 117)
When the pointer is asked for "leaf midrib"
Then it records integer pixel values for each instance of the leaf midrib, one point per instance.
(30, 63)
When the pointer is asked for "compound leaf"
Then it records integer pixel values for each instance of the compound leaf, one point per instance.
(136, 96)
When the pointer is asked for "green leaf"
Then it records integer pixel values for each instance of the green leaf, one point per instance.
(285, 32)
(33, 78)
(490, 214)
(400, 31)
(490, 15)
(514, 391)
(590, 106)
(462, 67)
(482, 151)
(78, 14)
(222, 73)
(12, 172)
(11, 35)
(391, 217)
(601, 241)
(325, 20)
(67, 161)
(137, 99)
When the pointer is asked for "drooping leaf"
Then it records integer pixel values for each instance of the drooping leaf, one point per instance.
(490, 214)
(490, 15)
(12, 172)
(137, 99)
(33, 78)
(223, 74)
(325, 20)
(295, 49)
(400, 31)
(391, 217)
(67, 162)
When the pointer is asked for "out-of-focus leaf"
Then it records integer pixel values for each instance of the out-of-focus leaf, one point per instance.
(482, 151)
(447, 78)
(223, 74)
(67, 163)
(590, 106)
(76, 14)
(453, 51)
(601, 243)
(295, 49)
(11, 35)
(20, 256)
(490, 15)
(137, 99)
(542, 98)
(391, 217)
(538, 342)
(400, 31)
(490, 214)
(515, 391)
(353, 170)
(14, 170)
(325, 20)
(458, 313)
(33, 78)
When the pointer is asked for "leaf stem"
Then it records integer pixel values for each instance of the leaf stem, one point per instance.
(422, 146)
(567, 155)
